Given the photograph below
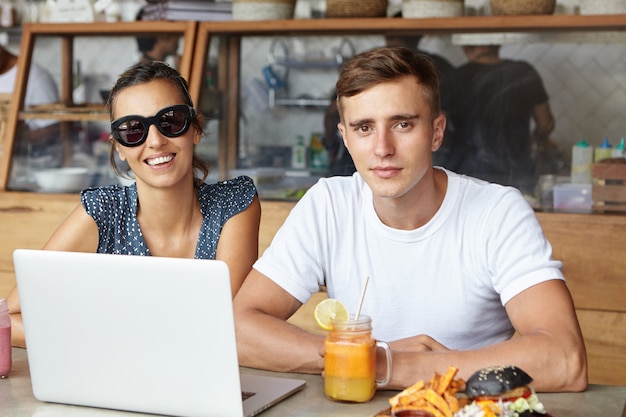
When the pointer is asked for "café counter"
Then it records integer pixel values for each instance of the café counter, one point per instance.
(16, 400)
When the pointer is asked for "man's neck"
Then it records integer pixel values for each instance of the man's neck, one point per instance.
(410, 213)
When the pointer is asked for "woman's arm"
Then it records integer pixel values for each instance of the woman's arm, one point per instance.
(77, 233)
(239, 243)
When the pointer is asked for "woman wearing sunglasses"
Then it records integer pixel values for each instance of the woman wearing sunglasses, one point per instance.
(169, 210)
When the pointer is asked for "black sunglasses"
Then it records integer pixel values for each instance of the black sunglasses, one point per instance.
(173, 121)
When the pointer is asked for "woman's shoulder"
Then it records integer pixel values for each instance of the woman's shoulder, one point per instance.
(104, 191)
(112, 195)
(238, 185)
(235, 192)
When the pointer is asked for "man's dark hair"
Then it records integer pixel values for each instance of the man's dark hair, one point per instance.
(383, 64)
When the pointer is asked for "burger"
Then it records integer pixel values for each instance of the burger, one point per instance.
(501, 391)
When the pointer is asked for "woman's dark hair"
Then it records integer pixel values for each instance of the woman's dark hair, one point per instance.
(142, 73)
(383, 64)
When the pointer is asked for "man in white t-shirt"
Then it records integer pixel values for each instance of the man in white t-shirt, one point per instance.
(456, 265)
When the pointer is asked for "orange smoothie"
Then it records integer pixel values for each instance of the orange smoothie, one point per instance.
(350, 368)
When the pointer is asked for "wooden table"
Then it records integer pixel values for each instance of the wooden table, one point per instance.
(16, 400)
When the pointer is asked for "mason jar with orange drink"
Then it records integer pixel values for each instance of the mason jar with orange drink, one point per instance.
(350, 360)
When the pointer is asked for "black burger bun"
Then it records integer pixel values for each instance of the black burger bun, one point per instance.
(496, 381)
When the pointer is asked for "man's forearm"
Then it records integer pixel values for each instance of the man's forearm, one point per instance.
(553, 367)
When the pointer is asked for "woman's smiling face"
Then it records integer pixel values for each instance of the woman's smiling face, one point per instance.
(159, 161)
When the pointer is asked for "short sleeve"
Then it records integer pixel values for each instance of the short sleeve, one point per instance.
(219, 202)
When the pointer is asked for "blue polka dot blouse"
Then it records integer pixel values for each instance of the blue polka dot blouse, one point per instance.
(114, 209)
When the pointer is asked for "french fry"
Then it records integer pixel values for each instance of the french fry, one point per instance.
(452, 401)
(446, 379)
(437, 396)
(418, 386)
(434, 382)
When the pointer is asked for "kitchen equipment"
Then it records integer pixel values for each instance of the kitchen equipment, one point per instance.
(356, 8)
(69, 11)
(263, 9)
(602, 7)
(575, 198)
(582, 159)
(59, 180)
(602, 152)
(522, 7)
(432, 8)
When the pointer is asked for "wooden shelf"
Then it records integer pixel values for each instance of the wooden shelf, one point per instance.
(463, 24)
(109, 29)
(66, 113)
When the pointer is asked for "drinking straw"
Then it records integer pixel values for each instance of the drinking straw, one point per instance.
(358, 310)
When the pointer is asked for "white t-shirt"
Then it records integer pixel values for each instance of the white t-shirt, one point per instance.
(40, 89)
(449, 279)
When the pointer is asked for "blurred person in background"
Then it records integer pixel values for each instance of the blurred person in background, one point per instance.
(40, 89)
(159, 47)
(500, 118)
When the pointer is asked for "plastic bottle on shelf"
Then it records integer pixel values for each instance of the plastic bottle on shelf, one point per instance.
(8, 14)
(79, 93)
(618, 151)
(318, 155)
(298, 154)
(604, 151)
(5, 339)
(582, 158)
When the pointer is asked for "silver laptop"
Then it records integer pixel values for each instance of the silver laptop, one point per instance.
(147, 334)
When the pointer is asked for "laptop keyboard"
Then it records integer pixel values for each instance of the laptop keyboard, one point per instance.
(245, 395)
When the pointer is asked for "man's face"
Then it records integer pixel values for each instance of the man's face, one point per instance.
(390, 135)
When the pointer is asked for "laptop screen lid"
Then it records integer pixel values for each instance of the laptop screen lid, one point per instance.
(146, 334)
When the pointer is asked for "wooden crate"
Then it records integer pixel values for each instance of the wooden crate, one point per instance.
(609, 187)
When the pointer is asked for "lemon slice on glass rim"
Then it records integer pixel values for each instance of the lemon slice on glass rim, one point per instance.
(329, 309)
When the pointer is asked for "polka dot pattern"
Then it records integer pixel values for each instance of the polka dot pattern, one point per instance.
(114, 209)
